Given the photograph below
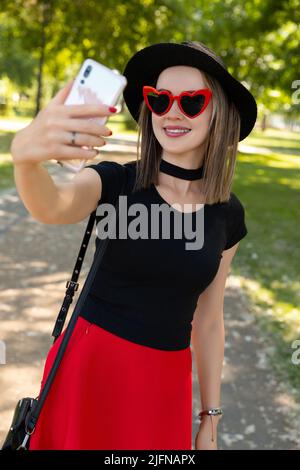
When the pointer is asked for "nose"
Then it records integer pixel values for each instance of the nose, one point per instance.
(174, 110)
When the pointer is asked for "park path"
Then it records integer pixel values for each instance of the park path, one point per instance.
(37, 259)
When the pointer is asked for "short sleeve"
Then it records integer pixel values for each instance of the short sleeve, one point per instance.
(235, 222)
(112, 176)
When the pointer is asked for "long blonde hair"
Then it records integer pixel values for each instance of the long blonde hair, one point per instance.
(221, 144)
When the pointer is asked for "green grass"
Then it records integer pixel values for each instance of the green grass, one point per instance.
(282, 142)
(8, 127)
(6, 166)
(269, 256)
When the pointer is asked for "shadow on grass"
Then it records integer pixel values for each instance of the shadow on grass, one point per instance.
(276, 141)
(271, 198)
(7, 174)
(280, 150)
(270, 253)
(5, 140)
(271, 138)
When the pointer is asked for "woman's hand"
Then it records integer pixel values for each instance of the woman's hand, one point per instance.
(207, 430)
(48, 136)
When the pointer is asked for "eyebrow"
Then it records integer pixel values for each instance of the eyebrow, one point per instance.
(164, 89)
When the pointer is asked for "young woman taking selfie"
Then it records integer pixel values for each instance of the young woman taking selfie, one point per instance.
(125, 381)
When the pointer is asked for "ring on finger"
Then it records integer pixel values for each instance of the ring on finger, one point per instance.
(73, 137)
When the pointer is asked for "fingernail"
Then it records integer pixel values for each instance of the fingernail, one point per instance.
(112, 109)
(110, 133)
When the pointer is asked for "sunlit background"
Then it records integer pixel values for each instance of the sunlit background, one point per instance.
(42, 45)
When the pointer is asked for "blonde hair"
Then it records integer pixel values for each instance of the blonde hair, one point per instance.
(221, 144)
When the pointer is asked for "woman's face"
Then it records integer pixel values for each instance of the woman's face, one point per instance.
(178, 79)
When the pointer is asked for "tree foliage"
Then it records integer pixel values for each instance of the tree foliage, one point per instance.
(43, 42)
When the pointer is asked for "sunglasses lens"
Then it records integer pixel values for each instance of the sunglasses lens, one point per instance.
(158, 103)
(192, 105)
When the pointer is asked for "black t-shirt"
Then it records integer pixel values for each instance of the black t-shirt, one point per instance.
(146, 289)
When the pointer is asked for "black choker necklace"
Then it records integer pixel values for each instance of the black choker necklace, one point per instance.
(178, 172)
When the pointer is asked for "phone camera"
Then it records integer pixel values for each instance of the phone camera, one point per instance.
(87, 71)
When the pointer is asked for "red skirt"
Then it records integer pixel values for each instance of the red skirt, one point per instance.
(113, 394)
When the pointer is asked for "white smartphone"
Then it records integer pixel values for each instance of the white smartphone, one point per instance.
(95, 83)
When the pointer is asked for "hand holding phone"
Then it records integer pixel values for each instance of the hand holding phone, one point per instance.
(49, 134)
(94, 84)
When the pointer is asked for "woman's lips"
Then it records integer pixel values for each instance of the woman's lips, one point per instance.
(173, 134)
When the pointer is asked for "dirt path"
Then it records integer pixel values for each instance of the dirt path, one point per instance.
(37, 260)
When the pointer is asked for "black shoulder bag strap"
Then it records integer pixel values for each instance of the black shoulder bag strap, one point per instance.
(72, 285)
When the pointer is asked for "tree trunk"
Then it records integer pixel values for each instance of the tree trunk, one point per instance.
(46, 6)
(264, 123)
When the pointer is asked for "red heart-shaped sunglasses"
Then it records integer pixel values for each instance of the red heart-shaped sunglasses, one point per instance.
(191, 104)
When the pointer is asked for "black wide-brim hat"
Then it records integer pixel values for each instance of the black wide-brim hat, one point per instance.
(145, 66)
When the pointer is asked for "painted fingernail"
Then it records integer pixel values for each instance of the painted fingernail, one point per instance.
(112, 109)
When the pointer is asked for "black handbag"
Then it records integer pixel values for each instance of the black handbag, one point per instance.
(28, 409)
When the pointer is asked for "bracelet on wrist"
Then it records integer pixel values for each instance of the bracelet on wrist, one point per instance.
(211, 412)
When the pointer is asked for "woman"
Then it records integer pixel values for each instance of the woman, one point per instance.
(126, 378)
